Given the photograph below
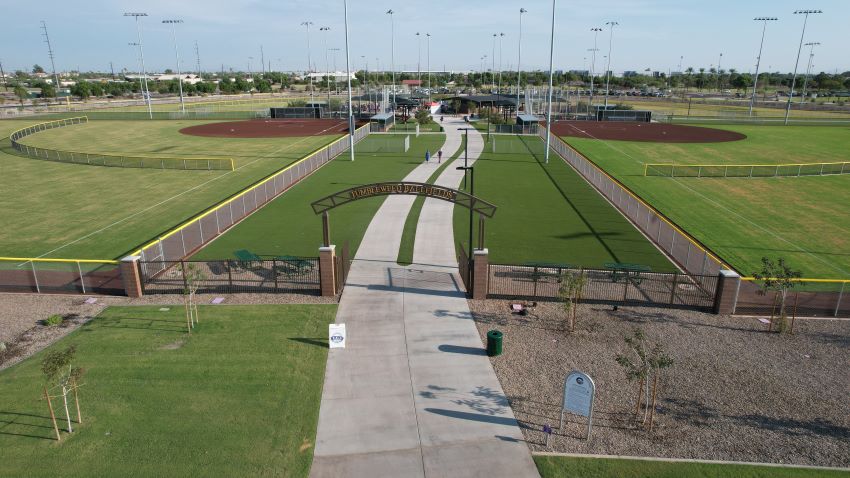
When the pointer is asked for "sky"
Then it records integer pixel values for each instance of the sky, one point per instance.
(650, 34)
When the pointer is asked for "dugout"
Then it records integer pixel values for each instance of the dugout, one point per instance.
(611, 114)
(381, 122)
(313, 112)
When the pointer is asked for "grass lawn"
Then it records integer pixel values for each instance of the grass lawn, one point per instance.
(548, 213)
(240, 397)
(288, 225)
(574, 467)
(805, 220)
(89, 212)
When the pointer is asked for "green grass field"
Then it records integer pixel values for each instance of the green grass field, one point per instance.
(547, 213)
(89, 212)
(573, 467)
(288, 226)
(805, 220)
(238, 397)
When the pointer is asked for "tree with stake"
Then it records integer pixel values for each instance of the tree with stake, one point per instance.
(570, 290)
(59, 371)
(192, 277)
(779, 278)
(644, 364)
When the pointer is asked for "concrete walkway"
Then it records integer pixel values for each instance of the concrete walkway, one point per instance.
(413, 394)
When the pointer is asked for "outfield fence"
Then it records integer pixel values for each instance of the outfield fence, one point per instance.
(688, 253)
(744, 119)
(190, 236)
(74, 276)
(110, 160)
(745, 170)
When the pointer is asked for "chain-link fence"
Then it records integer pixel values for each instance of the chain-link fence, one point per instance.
(745, 170)
(192, 235)
(60, 276)
(265, 275)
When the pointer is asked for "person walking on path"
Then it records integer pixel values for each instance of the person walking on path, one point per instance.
(439, 156)
(427, 155)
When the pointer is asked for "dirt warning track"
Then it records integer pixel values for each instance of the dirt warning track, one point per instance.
(269, 128)
(647, 132)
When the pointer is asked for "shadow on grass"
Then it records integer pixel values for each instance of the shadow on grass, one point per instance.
(318, 342)
(162, 325)
(10, 419)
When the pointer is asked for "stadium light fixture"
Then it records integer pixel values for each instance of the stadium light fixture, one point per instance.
(146, 91)
(309, 60)
(348, 78)
(499, 87)
(391, 13)
(806, 14)
(549, 93)
(519, 58)
(808, 68)
(595, 31)
(764, 21)
(173, 24)
(608, 67)
(327, 64)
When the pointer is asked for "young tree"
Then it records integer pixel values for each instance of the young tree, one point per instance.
(59, 371)
(644, 363)
(570, 290)
(192, 277)
(21, 93)
(779, 278)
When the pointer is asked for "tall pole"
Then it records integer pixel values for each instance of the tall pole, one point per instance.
(428, 42)
(348, 69)
(198, 60)
(764, 20)
(327, 64)
(336, 84)
(50, 54)
(608, 67)
(493, 68)
(549, 102)
(3, 77)
(392, 53)
(595, 31)
(419, 58)
(519, 58)
(309, 61)
(146, 93)
(499, 88)
(177, 57)
(799, 49)
(262, 60)
(719, 76)
(808, 69)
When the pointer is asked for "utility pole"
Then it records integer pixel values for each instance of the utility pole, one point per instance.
(327, 64)
(428, 41)
(198, 60)
(719, 75)
(263, 60)
(177, 55)
(595, 31)
(50, 54)
(392, 55)
(112, 70)
(146, 92)
(608, 67)
(348, 70)
(419, 58)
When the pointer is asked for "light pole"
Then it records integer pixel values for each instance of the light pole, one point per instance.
(799, 49)
(595, 31)
(808, 68)
(519, 58)
(428, 43)
(250, 75)
(146, 92)
(348, 69)
(336, 84)
(177, 56)
(493, 68)
(327, 64)
(549, 102)
(608, 67)
(419, 58)
(719, 75)
(309, 60)
(499, 88)
(392, 54)
(466, 167)
(764, 20)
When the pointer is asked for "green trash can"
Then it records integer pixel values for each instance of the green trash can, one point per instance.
(494, 343)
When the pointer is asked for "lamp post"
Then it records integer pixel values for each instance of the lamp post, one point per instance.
(493, 68)
(419, 58)
(808, 68)
(519, 58)
(348, 69)
(799, 49)
(146, 91)
(595, 31)
(177, 56)
(428, 43)
(608, 67)
(549, 102)
(392, 53)
(309, 61)
(325, 30)
(764, 21)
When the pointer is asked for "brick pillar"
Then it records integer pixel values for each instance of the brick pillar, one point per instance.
(726, 298)
(481, 279)
(131, 277)
(327, 275)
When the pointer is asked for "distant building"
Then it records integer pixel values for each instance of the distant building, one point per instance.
(629, 74)
(336, 75)
(580, 72)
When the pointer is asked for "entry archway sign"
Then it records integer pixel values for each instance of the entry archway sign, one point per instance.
(322, 206)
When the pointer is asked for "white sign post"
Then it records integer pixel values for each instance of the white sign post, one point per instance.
(579, 391)
(336, 336)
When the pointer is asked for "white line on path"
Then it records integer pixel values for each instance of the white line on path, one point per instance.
(282, 148)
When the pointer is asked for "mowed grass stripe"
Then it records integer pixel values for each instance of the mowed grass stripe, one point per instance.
(47, 205)
(804, 220)
(239, 397)
(288, 225)
(548, 213)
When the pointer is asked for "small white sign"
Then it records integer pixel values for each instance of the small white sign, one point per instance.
(336, 336)
(578, 394)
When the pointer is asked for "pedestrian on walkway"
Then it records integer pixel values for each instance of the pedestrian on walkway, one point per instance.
(439, 156)
(427, 155)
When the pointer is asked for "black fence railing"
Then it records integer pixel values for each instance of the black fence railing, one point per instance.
(605, 286)
(289, 274)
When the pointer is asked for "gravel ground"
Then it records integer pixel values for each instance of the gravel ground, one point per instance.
(23, 334)
(735, 391)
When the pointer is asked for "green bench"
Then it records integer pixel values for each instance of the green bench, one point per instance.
(291, 265)
(246, 259)
(622, 270)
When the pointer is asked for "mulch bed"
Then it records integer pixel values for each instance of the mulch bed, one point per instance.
(647, 132)
(269, 128)
(735, 392)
